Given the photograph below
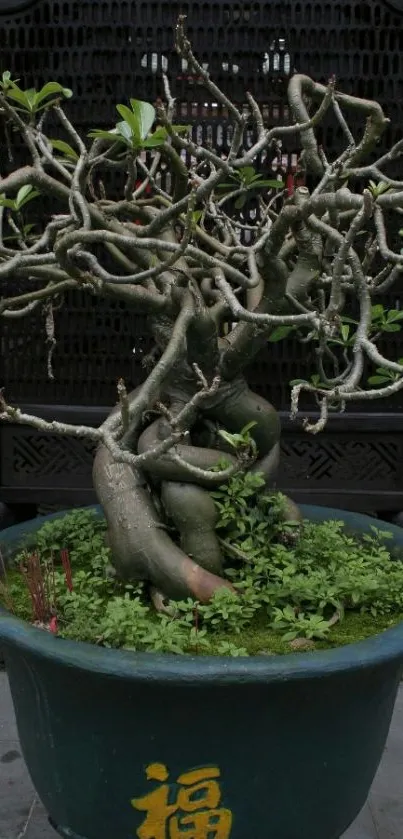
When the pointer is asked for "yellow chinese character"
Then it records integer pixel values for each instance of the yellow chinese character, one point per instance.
(199, 795)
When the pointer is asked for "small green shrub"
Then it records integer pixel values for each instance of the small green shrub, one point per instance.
(323, 584)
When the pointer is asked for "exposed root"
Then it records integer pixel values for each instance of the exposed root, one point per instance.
(160, 602)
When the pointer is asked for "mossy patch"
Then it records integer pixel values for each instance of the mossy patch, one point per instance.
(320, 590)
(259, 638)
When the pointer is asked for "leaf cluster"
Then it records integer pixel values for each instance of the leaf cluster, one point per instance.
(290, 588)
(243, 181)
(133, 131)
(32, 101)
(303, 584)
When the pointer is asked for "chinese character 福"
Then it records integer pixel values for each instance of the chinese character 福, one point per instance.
(195, 814)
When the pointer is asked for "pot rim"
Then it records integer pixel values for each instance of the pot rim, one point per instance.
(215, 670)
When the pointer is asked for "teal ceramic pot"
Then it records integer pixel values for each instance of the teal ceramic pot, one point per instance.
(122, 745)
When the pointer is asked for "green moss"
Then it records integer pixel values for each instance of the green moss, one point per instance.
(256, 639)
(259, 638)
(14, 595)
(356, 626)
(290, 594)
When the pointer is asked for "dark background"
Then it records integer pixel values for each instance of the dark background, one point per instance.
(109, 51)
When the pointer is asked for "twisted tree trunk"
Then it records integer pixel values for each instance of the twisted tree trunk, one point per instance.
(139, 537)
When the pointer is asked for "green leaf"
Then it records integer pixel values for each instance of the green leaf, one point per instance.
(345, 331)
(131, 120)
(145, 115)
(30, 197)
(378, 380)
(349, 320)
(17, 95)
(253, 180)
(248, 427)
(382, 187)
(315, 379)
(25, 194)
(279, 333)
(64, 148)
(247, 174)
(290, 635)
(229, 438)
(112, 136)
(31, 95)
(123, 129)
(237, 439)
(7, 202)
(394, 314)
(270, 184)
(391, 327)
(181, 129)
(377, 311)
(240, 202)
(51, 88)
(156, 139)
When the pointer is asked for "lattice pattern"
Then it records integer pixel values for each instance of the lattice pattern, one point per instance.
(338, 462)
(42, 460)
(107, 50)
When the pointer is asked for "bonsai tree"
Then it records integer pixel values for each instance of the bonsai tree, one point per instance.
(215, 287)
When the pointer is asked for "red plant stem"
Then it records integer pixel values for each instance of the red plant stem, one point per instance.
(53, 626)
(32, 573)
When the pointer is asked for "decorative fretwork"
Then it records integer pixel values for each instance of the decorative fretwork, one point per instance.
(341, 462)
(333, 463)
